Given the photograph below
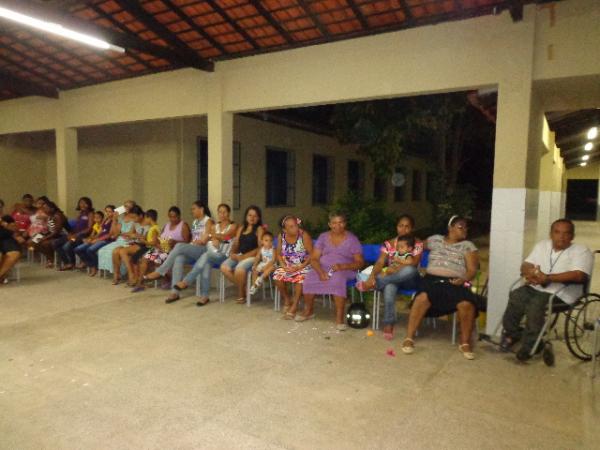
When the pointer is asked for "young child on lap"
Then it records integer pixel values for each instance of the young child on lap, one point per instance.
(399, 258)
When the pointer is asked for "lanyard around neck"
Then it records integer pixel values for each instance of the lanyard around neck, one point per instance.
(553, 263)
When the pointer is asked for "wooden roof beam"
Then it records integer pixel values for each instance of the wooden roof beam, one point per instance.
(321, 27)
(217, 8)
(181, 49)
(125, 40)
(274, 23)
(24, 87)
(359, 15)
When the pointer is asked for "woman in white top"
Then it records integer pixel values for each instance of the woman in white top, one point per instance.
(184, 252)
(218, 248)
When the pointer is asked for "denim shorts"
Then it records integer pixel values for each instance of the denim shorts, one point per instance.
(244, 264)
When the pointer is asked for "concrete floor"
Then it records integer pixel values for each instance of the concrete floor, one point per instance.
(86, 365)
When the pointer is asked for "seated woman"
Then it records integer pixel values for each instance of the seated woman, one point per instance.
(173, 233)
(57, 234)
(137, 264)
(392, 272)
(294, 247)
(10, 250)
(244, 249)
(88, 251)
(22, 214)
(336, 257)
(453, 263)
(183, 252)
(218, 247)
(81, 229)
(39, 221)
(125, 231)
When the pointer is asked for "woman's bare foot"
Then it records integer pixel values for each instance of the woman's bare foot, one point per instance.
(388, 332)
(241, 301)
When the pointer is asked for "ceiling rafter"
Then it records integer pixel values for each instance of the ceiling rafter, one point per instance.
(11, 62)
(274, 23)
(181, 49)
(315, 19)
(188, 20)
(233, 23)
(25, 87)
(125, 40)
(55, 60)
(358, 13)
(406, 10)
(122, 27)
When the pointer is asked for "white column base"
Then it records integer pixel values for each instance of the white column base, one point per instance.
(514, 217)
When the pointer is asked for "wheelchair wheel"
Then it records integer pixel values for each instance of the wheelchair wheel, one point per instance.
(579, 326)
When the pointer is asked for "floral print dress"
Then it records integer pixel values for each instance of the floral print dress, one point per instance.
(293, 254)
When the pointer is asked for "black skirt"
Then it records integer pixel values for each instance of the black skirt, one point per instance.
(8, 245)
(444, 296)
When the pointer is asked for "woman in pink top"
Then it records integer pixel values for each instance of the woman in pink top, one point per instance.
(172, 233)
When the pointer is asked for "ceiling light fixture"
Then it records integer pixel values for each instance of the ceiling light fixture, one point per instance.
(585, 157)
(583, 164)
(593, 133)
(58, 30)
(588, 146)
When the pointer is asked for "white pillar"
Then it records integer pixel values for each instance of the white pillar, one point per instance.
(220, 154)
(66, 168)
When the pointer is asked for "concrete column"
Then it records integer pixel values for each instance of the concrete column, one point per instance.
(220, 154)
(66, 168)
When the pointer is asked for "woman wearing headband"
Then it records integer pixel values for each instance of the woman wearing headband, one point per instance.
(453, 263)
(294, 247)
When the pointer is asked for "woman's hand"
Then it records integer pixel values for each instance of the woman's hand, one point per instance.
(323, 276)
(457, 281)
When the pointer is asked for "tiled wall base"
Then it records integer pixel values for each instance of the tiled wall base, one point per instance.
(513, 230)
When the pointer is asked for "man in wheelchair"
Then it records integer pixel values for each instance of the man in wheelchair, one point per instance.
(556, 266)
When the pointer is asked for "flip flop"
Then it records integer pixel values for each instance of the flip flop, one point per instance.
(299, 318)
(199, 303)
(241, 301)
(289, 316)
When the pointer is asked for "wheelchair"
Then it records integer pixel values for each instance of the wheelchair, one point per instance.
(579, 319)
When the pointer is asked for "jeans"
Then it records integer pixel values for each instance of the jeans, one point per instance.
(203, 267)
(405, 278)
(89, 252)
(176, 260)
(66, 251)
(531, 303)
(58, 245)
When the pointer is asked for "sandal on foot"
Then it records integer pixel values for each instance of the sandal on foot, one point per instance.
(172, 298)
(289, 316)
(116, 282)
(179, 288)
(465, 349)
(408, 346)
(241, 301)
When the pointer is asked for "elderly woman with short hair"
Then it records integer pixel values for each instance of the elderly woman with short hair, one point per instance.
(453, 262)
(336, 257)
